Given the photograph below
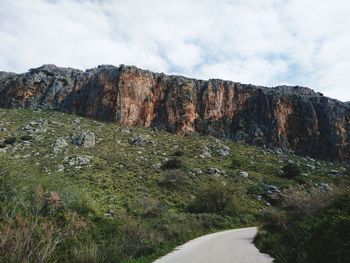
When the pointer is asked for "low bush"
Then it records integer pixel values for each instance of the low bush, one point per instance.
(291, 171)
(274, 218)
(10, 140)
(177, 227)
(217, 198)
(178, 153)
(150, 207)
(26, 138)
(135, 239)
(174, 178)
(347, 171)
(303, 201)
(236, 162)
(311, 228)
(173, 164)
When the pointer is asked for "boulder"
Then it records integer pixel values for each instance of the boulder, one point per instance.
(205, 153)
(84, 139)
(243, 174)
(139, 140)
(224, 151)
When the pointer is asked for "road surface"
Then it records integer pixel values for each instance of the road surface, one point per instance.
(232, 246)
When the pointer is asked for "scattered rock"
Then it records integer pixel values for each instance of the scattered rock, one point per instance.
(278, 151)
(324, 186)
(243, 174)
(310, 166)
(109, 213)
(60, 144)
(334, 173)
(197, 171)
(60, 167)
(79, 160)
(224, 152)
(206, 153)
(139, 140)
(157, 165)
(216, 172)
(127, 131)
(35, 127)
(142, 159)
(84, 139)
(271, 189)
(179, 114)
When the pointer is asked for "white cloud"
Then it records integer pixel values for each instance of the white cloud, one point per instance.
(264, 42)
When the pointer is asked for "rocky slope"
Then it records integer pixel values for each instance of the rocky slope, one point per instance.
(291, 118)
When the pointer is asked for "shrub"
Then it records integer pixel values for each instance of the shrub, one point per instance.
(26, 138)
(291, 171)
(174, 178)
(178, 153)
(217, 199)
(134, 239)
(151, 207)
(319, 237)
(213, 221)
(46, 203)
(274, 218)
(10, 140)
(177, 226)
(88, 254)
(305, 201)
(347, 171)
(236, 162)
(173, 164)
(28, 239)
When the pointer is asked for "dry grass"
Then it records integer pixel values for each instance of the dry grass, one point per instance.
(28, 239)
(89, 254)
(304, 200)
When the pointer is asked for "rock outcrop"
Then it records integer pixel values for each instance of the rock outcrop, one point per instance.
(291, 118)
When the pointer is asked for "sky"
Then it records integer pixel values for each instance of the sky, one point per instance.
(262, 42)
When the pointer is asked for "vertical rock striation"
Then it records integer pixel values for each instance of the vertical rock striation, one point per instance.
(292, 118)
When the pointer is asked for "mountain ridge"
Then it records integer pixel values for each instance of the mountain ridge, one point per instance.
(292, 118)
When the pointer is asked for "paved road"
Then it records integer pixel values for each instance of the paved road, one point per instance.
(232, 246)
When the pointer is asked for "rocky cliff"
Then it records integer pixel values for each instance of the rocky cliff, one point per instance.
(291, 118)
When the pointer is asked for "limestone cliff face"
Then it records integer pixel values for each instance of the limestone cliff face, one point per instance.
(292, 118)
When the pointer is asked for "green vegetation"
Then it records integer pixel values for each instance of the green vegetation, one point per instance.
(291, 171)
(313, 226)
(10, 140)
(218, 199)
(124, 202)
(173, 164)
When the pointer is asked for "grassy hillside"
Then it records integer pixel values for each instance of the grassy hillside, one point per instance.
(136, 193)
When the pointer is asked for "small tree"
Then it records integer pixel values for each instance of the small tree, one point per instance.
(174, 178)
